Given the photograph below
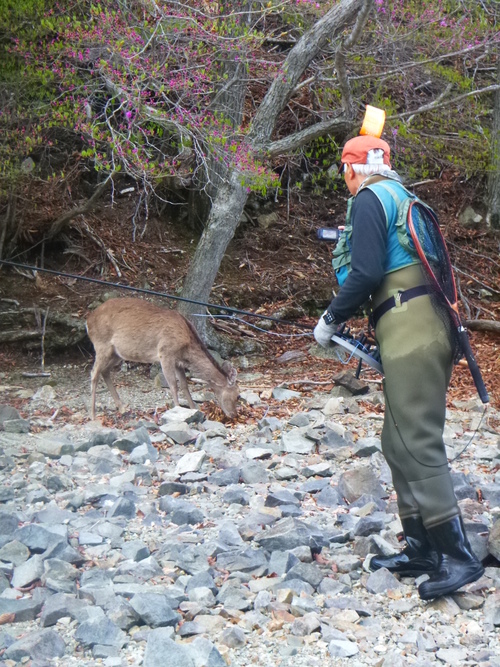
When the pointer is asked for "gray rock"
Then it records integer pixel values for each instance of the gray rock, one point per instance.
(367, 525)
(202, 596)
(357, 481)
(36, 538)
(305, 625)
(339, 648)
(54, 448)
(154, 610)
(184, 512)
(229, 535)
(329, 497)
(129, 441)
(122, 614)
(273, 423)
(225, 477)
(281, 562)
(494, 540)
(235, 494)
(296, 442)
(282, 497)
(7, 412)
(59, 576)
(135, 550)
(382, 581)
(159, 645)
(491, 493)
(259, 453)
(306, 572)
(322, 469)
(102, 460)
(253, 472)
(103, 436)
(8, 523)
(143, 454)
(190, 462)
(290, 533)
(25, 609)
(16, 426)
(14, 552)
(233, 637)
(28, 572)
(179, 432)
(62, 605)
(169, 488)
(298, 586)
(205, 654)
(300, 419)
(63, 551)
(141, 571)
(180, 414)
(201, 580)
(42, 644)
(332, 439)
(100, 631)
(191, 628)
(250, 560)
(282, 394)
(123, 507)
(286, 473)
(367, 446)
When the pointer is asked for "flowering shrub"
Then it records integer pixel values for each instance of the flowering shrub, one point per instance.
(165, 91)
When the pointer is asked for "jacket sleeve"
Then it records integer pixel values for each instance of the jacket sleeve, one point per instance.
(369, 242)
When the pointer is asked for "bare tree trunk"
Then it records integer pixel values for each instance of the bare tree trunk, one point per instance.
(230, 196)
(223, 220)
(493, 196)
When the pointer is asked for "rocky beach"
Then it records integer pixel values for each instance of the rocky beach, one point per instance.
(181, 541)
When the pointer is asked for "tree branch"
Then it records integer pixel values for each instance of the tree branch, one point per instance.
(340, 67)
(487, 287)
(439, 103)
(301, 138)
(63, 219)
(299, 58)
(483, 325)
(294, 141)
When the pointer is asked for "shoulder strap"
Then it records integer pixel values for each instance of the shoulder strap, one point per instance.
(392, 187)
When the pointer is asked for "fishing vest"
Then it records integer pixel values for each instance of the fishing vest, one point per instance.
(395, 200)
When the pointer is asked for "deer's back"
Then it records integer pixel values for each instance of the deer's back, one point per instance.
(138, 330)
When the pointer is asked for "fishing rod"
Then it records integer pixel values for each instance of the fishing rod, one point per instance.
(154, 293)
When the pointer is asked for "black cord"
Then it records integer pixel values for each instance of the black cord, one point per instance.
(428, 465)
(152, 292)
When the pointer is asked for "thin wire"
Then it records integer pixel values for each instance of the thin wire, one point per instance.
(428, 465)
(154, 293)
(249, 324)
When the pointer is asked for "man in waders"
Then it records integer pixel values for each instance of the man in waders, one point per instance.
(417, 357)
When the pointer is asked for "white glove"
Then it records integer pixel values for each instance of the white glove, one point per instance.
(323, 332)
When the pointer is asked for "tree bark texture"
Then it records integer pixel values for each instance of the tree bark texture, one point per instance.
(224, 217)
(230, 197)
(494, 177)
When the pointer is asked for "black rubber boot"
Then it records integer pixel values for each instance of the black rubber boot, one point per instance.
(418, 557)
(458, 565)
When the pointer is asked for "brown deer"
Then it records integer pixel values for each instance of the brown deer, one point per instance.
(136, 330)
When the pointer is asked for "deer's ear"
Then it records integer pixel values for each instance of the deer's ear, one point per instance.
(230, 372)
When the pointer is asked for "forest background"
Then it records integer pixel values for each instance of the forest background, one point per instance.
(190, 148)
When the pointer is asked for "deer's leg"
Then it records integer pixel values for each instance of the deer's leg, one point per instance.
(103, 365)
(168, 368)
(183, 385)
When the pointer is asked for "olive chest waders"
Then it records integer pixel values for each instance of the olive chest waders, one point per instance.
(417, 359)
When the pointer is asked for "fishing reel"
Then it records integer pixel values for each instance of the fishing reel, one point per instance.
(360, 347)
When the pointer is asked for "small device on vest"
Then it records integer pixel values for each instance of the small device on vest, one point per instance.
(328, 234)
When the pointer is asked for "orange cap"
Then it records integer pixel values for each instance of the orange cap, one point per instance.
(356, 150)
